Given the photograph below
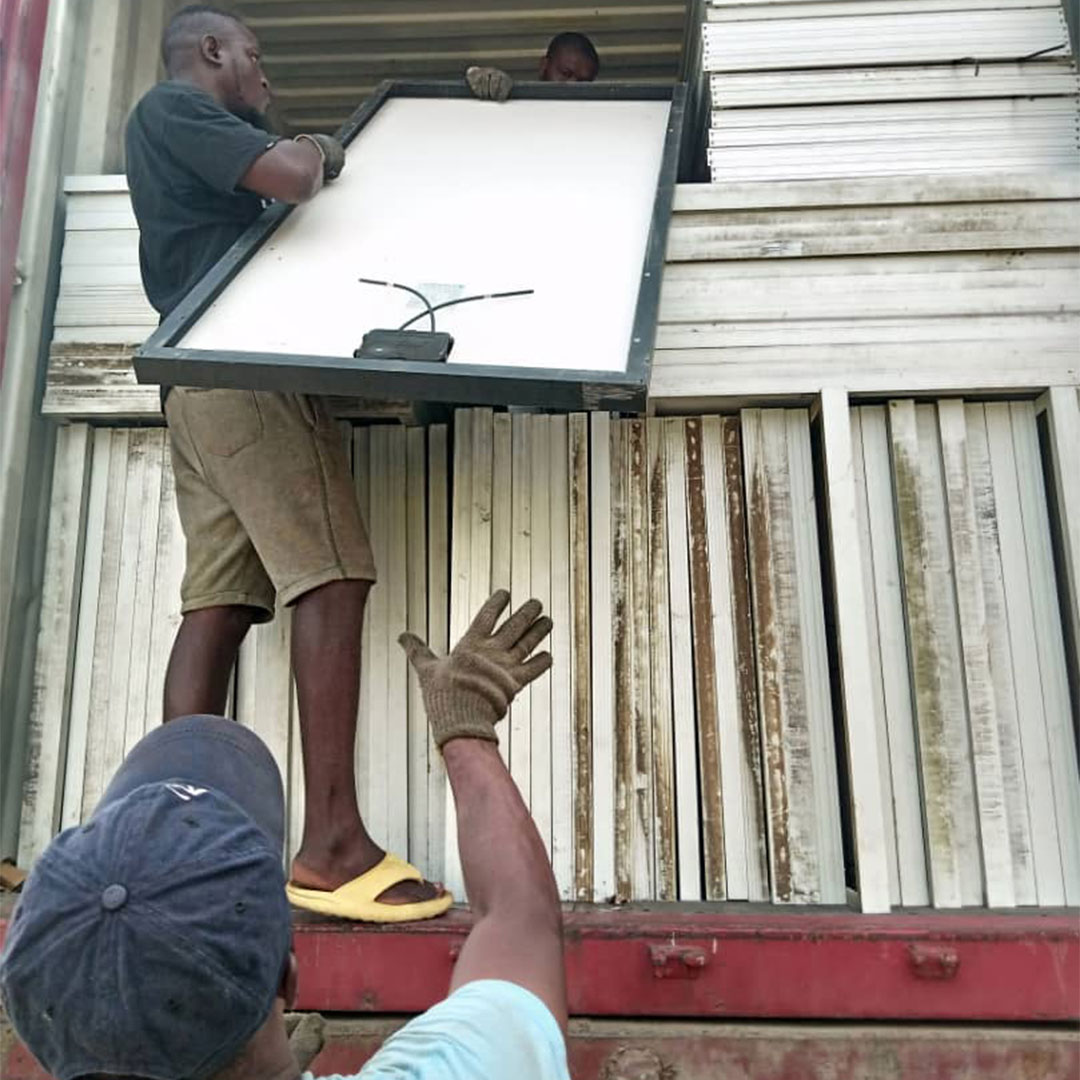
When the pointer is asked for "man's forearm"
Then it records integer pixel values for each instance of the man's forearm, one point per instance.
(502, 856)
(517, 935)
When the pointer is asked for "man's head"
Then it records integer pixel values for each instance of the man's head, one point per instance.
(570, 57)
(154, 940)
(216, 51)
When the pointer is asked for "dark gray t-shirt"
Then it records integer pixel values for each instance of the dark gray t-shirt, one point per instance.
(185, 156)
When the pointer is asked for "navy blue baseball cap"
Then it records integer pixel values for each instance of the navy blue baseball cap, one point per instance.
(152, 940)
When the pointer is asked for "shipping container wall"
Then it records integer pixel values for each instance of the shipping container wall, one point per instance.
(736, 582)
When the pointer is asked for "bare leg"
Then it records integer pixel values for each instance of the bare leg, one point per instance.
(326, 660)
(202, 658)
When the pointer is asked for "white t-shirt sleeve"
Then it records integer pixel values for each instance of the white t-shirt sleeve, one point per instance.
(488, 1028)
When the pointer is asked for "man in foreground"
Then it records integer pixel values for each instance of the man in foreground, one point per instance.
(263, 483)
(154, 941)
(570, 58)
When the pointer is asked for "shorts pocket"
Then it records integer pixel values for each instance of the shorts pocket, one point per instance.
(222, 422)
(313, 410)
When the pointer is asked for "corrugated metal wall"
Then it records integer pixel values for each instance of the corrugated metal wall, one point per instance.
(324, 58)
(845, 88)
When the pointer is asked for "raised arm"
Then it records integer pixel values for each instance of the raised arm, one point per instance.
(517, 935)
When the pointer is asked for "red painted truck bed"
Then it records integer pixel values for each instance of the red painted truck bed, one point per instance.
(710, 992)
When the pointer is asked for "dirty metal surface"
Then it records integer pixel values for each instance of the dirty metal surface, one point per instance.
(742, 624)
(646, 846)
(622, 630)
(829, 966)
(677, 1050)
(647, 1050)
(706, 963)
(712, 815)
(578, 433)
(661, 704)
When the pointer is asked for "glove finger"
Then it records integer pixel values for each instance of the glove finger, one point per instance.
(487, 616)
(532, 668)
(416, 650)
(505, 85)
(511, 631)
(532, 637)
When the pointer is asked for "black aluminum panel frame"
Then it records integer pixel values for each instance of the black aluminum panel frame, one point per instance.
(161, 360)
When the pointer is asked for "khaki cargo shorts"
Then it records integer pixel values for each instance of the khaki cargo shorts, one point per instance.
(266, 498)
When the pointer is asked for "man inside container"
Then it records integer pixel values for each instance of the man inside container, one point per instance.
(570, 58)
(263, 483)
(154, 941)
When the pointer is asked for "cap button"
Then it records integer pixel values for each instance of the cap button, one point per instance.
(114, 897)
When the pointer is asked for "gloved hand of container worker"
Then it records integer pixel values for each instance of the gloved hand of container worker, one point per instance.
(489, 83)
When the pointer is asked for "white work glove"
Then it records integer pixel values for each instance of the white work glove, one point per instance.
(489, 83)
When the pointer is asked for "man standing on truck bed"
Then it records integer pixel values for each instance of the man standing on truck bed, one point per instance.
(263, 484)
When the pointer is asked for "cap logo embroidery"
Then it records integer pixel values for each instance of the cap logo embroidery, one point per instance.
(187, 792)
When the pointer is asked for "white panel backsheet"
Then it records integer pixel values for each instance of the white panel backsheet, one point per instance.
(456, 197)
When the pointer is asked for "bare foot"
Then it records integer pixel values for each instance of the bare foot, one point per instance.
(329, 865)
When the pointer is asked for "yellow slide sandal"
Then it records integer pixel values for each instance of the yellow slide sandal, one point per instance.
(356, 899)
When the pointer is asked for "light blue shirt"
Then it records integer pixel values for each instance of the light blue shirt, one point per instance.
(486, 1029)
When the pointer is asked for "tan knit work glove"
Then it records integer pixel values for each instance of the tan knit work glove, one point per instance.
(307, 1036)
(469, 691)
(489, 83)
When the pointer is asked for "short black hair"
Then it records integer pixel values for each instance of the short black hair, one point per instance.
(187, 27)
(572, 41)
